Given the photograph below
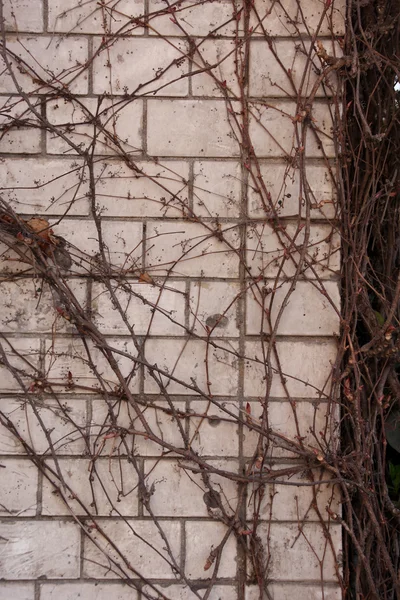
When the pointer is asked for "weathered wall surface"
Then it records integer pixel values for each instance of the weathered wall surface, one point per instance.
(195, 188)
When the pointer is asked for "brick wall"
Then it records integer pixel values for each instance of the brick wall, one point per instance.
(223, 260)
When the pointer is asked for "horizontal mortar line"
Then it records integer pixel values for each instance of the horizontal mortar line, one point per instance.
(199, 583)
(254, 36)
(142, 337)
(118, 519)
(273, 160)
(151, 97)
(281, 461)
(79, 397)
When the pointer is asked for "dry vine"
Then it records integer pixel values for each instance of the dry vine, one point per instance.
(112, 297)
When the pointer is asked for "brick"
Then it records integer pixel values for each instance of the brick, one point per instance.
(40, 55)
(18, 591)
(308, 311)
(138, 65)
(284, 18)
(266, 254)
(215, 433)
(313, 419)
(214, 308)
(23, 15)
(107, 487)
(288, 197)
(19, 127)
(308, 377)
(42, 185)
(269, 66)
(64, 422)
(88, 590)
(52, 547)
(68, 16)
(183, 248)
(182, 592)
(217, 189)
(195, 19)
(65, 356)
(287, 591)
(136, 548)
(157, 417)
(288, 548)
(273, 126)
(154, 191)
(19, 482)
(23, 355)
(190, 128)
(30, 306)
(148, 309)
(201, 538)
(222, 53)
(123, 241)
(122, 119)
(282, 502)
(169, 480)
(185, 360)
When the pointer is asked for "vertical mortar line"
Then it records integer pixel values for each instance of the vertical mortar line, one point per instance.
(39, 495)
(36, 590)
(144, 127)
(141, 465)
(90, 70)
(43, 134)
(146, 31)
(183, 544)
(244, 157)
(45, 10)
(191, 184)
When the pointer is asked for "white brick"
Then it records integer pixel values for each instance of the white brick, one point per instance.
(107, 487)
(61, 420)
(23, 355)
(146, 550)
(135, 63)
(156, 191)
(58, 62)
(201, 538)
(87, 591)
(167, 479)
(289, 546)
(123, 240)
(288, 196)
(23, 15)
(184, 248)
(308, 311)
(284, 18)
(268, 254)
(33, 549)
(147, 308)
(65, 356)
(287, 591)
(157, 417)
(29, 305)
(43, 185)
(190, 128)
(185, 360)
(283, 502)
(273, 126)
(70, 16)
(19, 482)
(313, 419)
(17, 591)
(24, 134)
(269, 67)
(195, 19)
(214, 432)
(308, 377)
(117, 118)
(217, 189)
(214, 307)
(182, 592)
(223, 54)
